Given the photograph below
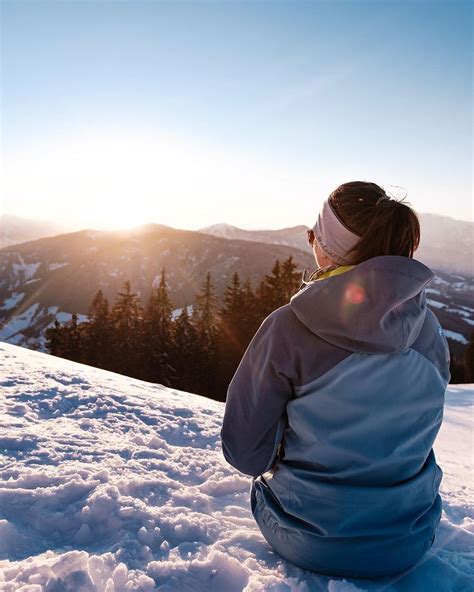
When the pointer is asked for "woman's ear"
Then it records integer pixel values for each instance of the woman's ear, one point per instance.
(322, 260)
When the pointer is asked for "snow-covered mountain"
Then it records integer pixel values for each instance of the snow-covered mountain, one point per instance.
(111, 484)
(293, 237)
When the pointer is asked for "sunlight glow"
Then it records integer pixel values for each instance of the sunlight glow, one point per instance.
(119, 178)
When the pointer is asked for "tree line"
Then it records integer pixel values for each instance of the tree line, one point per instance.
(197, 352)
(462, 367)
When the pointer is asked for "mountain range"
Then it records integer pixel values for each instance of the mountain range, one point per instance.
(53, 277)
(446, 244)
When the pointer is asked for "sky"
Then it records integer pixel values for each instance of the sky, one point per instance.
(116, 113)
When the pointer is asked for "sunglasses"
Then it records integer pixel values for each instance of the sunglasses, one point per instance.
(310, 234)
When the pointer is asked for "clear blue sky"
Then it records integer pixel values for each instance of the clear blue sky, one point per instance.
(193, 113)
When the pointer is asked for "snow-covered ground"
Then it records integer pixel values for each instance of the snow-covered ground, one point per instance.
(16, 298)
(455, 336)
(13, 329)
(113, 484)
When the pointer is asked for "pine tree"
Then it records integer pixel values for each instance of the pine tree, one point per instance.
(158, 335)
(185, 358)
(205, 309)
(457, 370)
(251, 318)
(269, 291)
(233, 298)
(55, 339)
(126, 331)
(276, 289)
(231, 338)
(274, 283)
(67, 340)
(468, 359)
(98, 337)
(205, 320)
(290, 280)
(263, 300)
(74, 340)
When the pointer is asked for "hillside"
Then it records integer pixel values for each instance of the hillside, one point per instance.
(110, 484)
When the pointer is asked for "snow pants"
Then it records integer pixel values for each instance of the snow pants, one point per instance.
(342, 557)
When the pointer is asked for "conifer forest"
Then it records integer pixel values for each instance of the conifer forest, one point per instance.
(196, 351)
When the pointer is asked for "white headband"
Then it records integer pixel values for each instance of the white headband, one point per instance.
(334, 239)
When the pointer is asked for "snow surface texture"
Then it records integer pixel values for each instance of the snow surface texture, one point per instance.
(114, 484)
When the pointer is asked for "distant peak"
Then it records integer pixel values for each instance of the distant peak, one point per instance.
(219, 226)
(152, 226)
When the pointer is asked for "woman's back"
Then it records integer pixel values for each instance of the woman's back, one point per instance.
(363, 366)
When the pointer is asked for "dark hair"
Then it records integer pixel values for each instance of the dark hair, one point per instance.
(386, 225)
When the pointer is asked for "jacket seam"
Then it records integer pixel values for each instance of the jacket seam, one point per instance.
(298, 387)
(430, 362)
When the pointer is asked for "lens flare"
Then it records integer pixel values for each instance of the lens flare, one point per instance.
(354, 293)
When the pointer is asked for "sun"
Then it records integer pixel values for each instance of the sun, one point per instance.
(111, 178)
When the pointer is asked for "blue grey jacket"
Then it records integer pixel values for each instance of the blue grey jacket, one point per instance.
(347, 382)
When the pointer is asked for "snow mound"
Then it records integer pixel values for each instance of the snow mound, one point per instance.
(110, 484)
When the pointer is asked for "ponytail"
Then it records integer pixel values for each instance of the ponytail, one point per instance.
(386, 226)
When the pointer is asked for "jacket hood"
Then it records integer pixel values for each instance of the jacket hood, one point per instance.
(378, 306)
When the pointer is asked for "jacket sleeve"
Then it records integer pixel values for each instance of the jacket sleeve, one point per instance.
(255, 416)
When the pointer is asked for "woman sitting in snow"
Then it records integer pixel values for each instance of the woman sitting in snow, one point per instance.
(339, 396)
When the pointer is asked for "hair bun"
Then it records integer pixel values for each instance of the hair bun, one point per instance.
(382, 198)
(390, 229)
